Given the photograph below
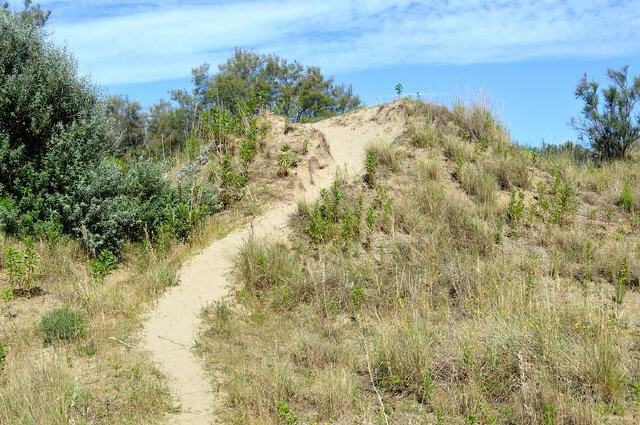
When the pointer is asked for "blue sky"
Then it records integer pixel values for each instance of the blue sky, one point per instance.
(524, 56)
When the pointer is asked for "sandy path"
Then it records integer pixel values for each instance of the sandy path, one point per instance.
(172, 327)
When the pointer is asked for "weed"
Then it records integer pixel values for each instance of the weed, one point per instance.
(515, 209)
(248, 149)
(192, 148)
(22, 266)
(557, 203)
(622, 279)
(357, 295)
(286, 161)
(627, 197)
(285, 412)
(62, 324)
(548, 414)
(371, 168)
(3, 355)
(103, 264)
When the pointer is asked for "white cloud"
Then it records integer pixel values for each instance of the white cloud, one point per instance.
(132, 41)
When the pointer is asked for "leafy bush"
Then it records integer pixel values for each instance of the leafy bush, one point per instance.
(555, 203)
(62, 324)
(232, 179)
(52, 125)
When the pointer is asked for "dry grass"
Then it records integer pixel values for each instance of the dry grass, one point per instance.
(445, 312)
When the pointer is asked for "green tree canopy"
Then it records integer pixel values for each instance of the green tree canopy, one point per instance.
(52, 127)
(273, 83)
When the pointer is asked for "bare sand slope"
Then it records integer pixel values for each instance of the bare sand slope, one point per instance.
(172, 327)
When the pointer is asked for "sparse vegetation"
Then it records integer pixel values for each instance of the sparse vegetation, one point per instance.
(404, 281)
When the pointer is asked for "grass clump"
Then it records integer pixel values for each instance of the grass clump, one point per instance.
(478, 183)
(261, 265)
(62, 324)
(627, 198)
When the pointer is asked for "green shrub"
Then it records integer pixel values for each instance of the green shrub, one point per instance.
(557, 203)
(22, 266)
(103, 264)
(515, 208)
(62, 324)
(53, 129)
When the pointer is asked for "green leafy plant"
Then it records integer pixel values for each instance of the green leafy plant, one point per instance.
(515, 208)
(371, 168)
(285, 412)
(357, 295)
(62, 324)
(103, 264)
(22, 266)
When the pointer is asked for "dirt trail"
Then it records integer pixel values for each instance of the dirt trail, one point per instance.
(172, 327)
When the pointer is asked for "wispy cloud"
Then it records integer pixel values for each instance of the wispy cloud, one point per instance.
(130, 41)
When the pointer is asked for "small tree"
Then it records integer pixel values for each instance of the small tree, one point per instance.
(611, 128)
(399, 89)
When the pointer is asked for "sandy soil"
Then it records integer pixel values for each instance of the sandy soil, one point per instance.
(173, 325)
